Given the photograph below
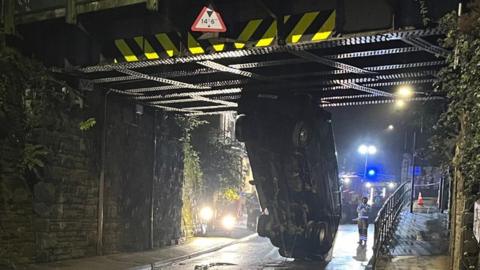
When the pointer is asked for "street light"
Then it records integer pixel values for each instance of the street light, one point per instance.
(390, 127)
(405, 91)
(366, 150)
(400, 103)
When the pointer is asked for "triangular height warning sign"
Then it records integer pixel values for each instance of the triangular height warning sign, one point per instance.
(209, 21)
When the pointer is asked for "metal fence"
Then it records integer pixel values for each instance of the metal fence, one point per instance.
(386, 221)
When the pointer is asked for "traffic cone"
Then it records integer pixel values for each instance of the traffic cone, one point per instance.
(420, 199)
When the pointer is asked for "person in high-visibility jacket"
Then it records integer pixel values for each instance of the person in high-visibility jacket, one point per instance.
(363, 211)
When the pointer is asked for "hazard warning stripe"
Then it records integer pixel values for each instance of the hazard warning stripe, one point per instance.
(301, 27)
(312, 26)
(167, 44)
(125, 50)
(193, 45)
(326, 30)
(148, 50)
(247, 32)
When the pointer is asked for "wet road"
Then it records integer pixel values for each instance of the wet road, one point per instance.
(258, 253)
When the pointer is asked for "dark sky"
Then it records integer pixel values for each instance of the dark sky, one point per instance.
(368, 124)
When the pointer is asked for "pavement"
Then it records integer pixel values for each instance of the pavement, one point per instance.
(420, 241)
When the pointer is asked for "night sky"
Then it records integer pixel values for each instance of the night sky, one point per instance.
(368, 124)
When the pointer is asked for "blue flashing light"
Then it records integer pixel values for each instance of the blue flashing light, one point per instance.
(371, 172)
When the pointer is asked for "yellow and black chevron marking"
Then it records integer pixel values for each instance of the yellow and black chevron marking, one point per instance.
(312, 26)
(147, 47)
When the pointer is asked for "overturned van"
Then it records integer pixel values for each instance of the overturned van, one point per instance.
(290, 145)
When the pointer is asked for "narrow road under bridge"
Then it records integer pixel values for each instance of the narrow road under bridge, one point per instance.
(258, 253)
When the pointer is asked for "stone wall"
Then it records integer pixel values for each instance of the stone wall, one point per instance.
(65, 200)
(55, 217)
(130, 178)
(16, 236)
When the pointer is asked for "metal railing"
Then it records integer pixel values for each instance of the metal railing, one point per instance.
(385, 222)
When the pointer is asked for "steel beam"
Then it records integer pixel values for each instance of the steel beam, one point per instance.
(328, 62)
(367, 89)
(349, 97)
(240, 82)
(173, 109)
(381, 101)
(223, 68)
(380, 36)
(188, 94)
(209, 85)
(270, 63)
(80, 8)
(420, 43)
(210, 113)
(199, 108)
(159, 79)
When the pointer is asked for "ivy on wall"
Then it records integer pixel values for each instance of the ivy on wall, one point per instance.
(458, 130)
(31, 101)
(192, 175)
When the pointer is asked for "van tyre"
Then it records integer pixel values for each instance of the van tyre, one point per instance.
(262, 225)
(241, 128)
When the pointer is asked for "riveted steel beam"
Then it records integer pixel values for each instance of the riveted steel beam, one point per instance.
(208, 85)
(367, 89)
(195, 72)
(173, 109)
(403, 82)
(174, 101)
(219, 101)
(379, 101)
(210, 113)
(189, 94)
(159, 79)
(420, 43)
(270, 63)
(349, 97)
(313, 57)
(80, 7)
(223, 68)
(199, 108)
(369, 38)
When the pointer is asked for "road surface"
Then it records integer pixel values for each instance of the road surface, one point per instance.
(258, 253)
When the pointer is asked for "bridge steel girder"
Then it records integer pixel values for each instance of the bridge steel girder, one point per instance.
(348, 40)
(268, 63)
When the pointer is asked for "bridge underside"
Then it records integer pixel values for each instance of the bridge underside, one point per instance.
(344, 71)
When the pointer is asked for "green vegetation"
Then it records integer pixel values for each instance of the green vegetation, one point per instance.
(457, 138)
(212, 168)
(87, 124)
(192, 175)
(221, 163)
(31, 102)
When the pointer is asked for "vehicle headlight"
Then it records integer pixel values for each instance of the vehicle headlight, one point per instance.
(206, 213)
(228, 222)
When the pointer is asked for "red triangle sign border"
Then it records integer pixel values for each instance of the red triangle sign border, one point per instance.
(199, 17)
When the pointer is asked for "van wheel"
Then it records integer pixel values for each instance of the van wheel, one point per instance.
(241, 128)
(262, 225)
